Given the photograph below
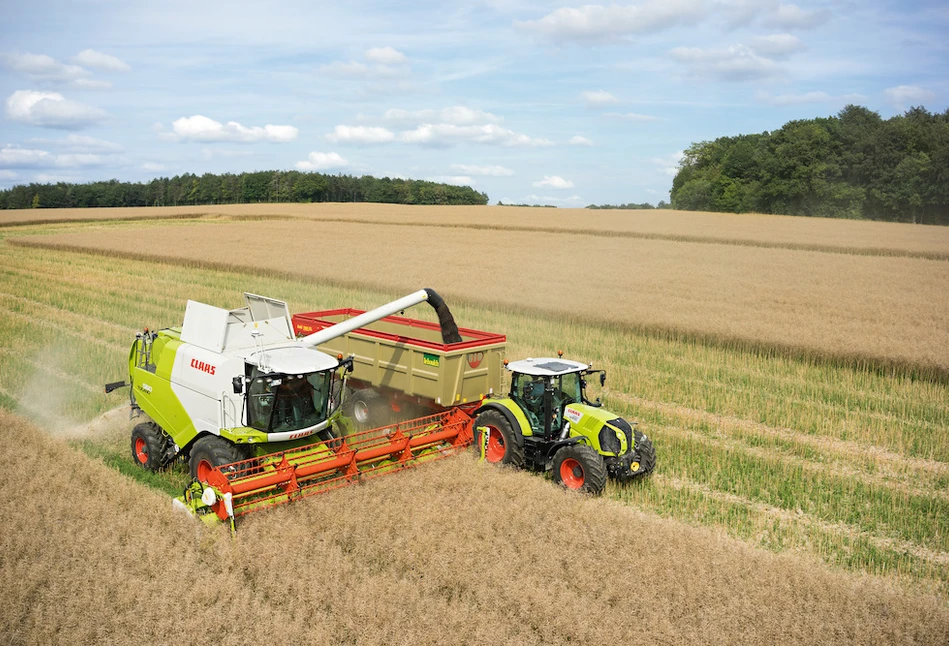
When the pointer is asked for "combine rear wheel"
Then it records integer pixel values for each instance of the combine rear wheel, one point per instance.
(212, 451)
(148, 446)
(505, 445)
(581, 468)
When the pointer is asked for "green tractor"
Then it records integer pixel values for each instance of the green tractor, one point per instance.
(547, 423)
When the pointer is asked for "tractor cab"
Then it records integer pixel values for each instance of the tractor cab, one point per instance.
(543, 388)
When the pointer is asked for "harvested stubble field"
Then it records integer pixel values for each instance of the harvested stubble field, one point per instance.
(842, 471)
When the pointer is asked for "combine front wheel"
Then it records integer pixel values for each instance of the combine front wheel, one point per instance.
(148, 444)
(209, 452)
(581, 468)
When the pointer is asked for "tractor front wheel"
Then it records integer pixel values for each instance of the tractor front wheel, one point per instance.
(148, 446)
(505, 445)
(581, 468)
(212, 451)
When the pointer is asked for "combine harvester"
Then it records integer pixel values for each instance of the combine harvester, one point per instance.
(264, 418)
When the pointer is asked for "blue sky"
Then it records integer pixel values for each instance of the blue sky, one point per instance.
(535, 102)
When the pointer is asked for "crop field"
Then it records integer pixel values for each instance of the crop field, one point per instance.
(797, 398)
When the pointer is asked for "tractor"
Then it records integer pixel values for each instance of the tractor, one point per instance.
(546, 423)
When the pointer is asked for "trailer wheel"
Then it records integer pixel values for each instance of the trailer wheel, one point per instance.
(581, 468)
(212, 451)
(148, 446)
(369, 409)
(505, 445)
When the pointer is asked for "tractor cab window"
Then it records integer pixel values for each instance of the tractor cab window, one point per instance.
(566, 391)
(528, 392)
(278, 403)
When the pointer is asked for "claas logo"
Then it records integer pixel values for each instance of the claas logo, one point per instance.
(203, 367)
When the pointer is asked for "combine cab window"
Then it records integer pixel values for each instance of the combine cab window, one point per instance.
(279, 403)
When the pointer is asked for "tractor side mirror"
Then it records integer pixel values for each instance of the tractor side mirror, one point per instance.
(602, 379)
(238, 383)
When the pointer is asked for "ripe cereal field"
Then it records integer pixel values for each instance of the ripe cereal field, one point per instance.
(801, 495)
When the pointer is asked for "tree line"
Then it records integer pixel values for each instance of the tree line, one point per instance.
(261, 186)
(852, 165)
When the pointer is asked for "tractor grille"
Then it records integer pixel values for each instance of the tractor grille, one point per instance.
(609, 441)
(624, 426)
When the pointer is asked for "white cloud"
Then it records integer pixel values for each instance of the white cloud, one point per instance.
(42, 67)
(98, 60)
(669, 164)
(350, 68)
(734, 63)
(739, 13)
(631, 116)
(458, 115)
(776, 45)
(553, 181)
(360, 135)
(321, 161)
(16, 157)
(577, 140)
(51, 110)
(385, 56)
(153, 167)
(201, 128)
(447, 133)
(457, 180)
(598, 98)
(81, 143)
(77, 160)
(490, 171)
(591, 24)
(791, 16)
(573, 200)
(92, 84)
(903, 96)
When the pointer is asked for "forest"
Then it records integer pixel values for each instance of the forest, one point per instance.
(261, 186)
(852, 165)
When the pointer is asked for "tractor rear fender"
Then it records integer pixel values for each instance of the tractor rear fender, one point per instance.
(511, 411)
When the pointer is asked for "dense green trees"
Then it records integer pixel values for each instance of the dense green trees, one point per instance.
(263, 186)
(853, 165)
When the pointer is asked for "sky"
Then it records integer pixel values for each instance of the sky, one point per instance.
(555, 103)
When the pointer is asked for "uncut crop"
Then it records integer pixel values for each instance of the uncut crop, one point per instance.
(880, 310)
(843, 465)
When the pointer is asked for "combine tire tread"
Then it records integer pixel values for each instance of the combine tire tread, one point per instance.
(513, 440)
(213, 451)
(589, 474)
(149, 444)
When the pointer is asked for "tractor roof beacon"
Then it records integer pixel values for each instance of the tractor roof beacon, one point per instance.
(547, 423)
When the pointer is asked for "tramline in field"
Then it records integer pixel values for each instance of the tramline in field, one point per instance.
(264, 417)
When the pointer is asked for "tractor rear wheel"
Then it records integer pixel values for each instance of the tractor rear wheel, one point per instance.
(580, 467)
(505, 445)
(368, 409)
(212, 451)
(148, 446)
